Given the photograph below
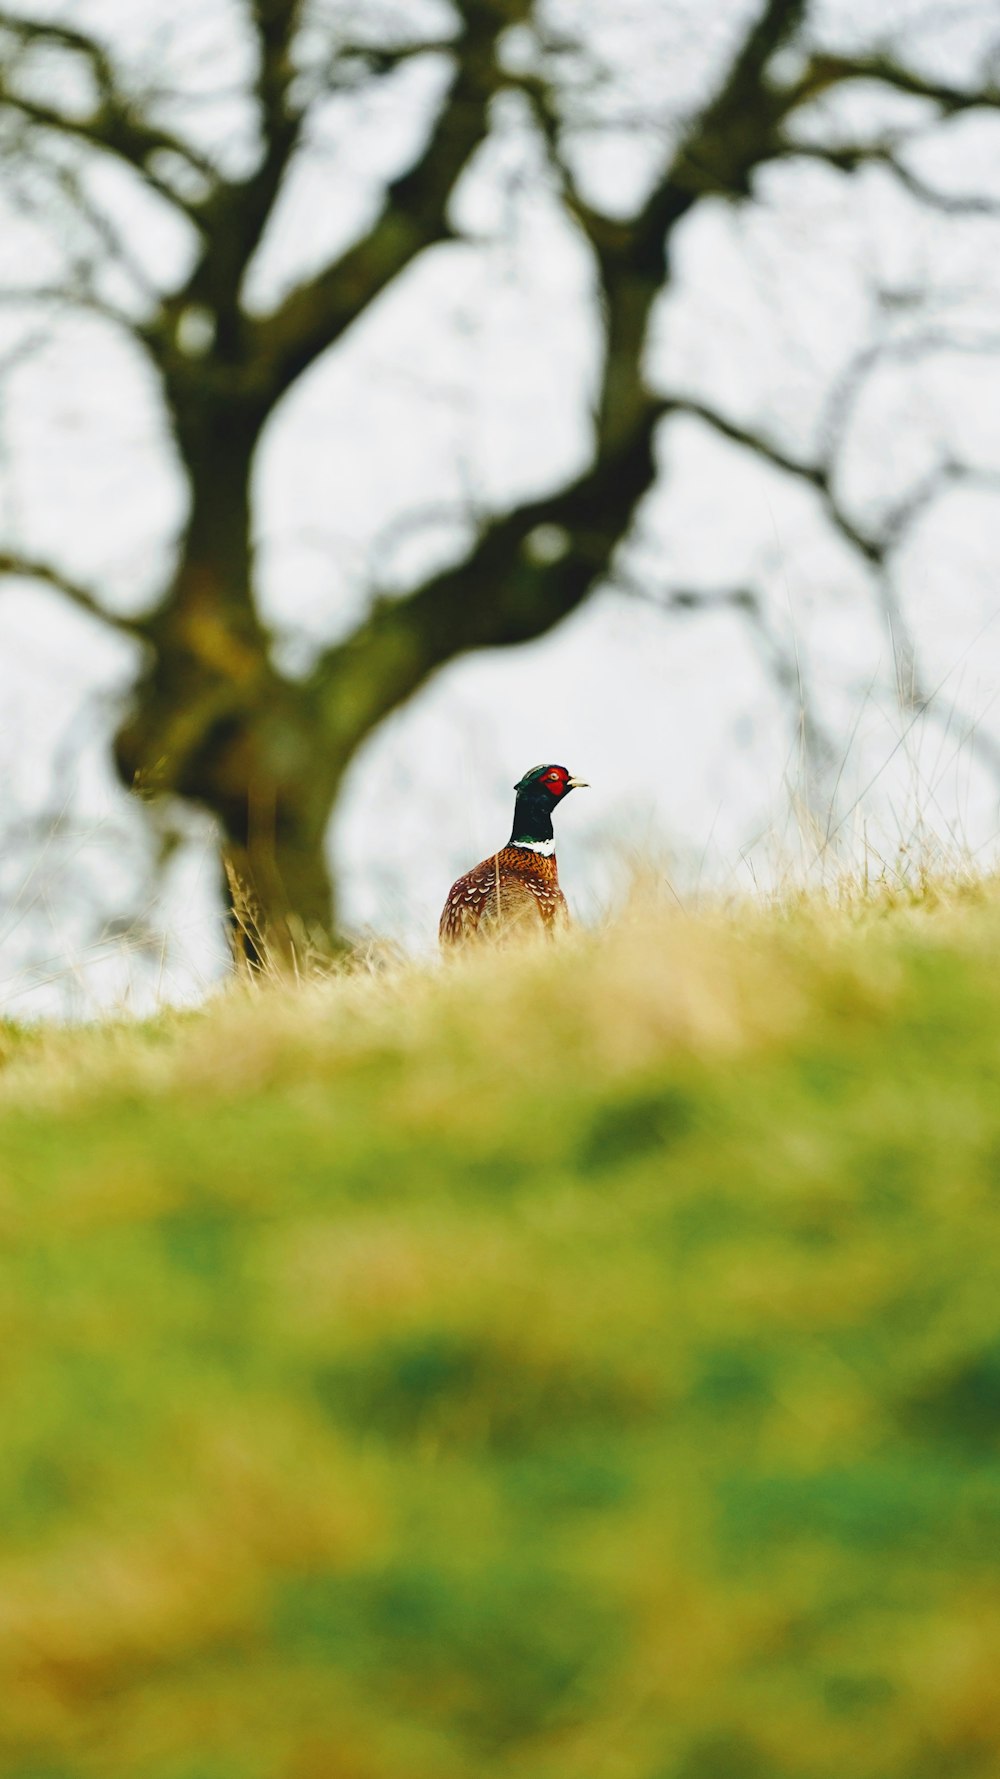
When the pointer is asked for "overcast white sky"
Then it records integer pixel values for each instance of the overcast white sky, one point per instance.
(470, 380)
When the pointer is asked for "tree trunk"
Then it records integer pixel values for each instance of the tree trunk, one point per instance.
(279, 894)
(247, 746)
(273, 790)
(213, 722)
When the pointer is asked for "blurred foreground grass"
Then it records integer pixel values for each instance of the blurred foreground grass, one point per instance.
(576, 1364)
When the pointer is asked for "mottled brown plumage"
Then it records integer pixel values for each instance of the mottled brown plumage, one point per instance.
(512, 890)
(515, 890)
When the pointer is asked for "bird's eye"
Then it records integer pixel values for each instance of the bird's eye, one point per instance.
(554, 775)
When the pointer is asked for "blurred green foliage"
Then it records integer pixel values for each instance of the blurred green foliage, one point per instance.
(576, 1365)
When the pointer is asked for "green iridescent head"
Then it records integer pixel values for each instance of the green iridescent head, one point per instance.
(538, 792)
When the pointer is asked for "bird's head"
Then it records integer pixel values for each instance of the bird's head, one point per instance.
(548, 783)
(538, 792)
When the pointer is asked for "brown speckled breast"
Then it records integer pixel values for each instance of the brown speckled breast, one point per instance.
(513, 890)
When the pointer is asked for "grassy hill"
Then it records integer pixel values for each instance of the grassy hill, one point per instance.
(574, 1364)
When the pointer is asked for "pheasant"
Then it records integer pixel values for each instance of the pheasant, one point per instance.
(519, 885)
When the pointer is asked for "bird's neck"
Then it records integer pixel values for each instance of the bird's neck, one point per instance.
(533, 825)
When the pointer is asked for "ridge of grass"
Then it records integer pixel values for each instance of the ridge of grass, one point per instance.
(580, 1362)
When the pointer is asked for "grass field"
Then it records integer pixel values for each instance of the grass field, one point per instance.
(574, 1364)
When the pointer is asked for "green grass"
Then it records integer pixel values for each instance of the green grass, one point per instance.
(575, 1364)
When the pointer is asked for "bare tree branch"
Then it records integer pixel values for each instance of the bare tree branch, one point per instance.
(824, 72)
(59, 298)
(355, 61)
(782, 665)
(114, 126)
(920, 344)
(529, 569)
(414, 218)
(876, 551)
(116, 249)
(818, 476)
(532, 566)
(949, 203)
(14, 566)
(249, 205)
(848, 157)
(821, 477)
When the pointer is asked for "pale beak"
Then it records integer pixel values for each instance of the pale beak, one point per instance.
(577, 784)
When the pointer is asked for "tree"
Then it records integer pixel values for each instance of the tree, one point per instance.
(214, 717)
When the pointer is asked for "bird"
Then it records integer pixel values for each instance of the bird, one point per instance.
(517, 888)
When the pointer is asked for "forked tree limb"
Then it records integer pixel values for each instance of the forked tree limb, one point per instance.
(114, 125)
